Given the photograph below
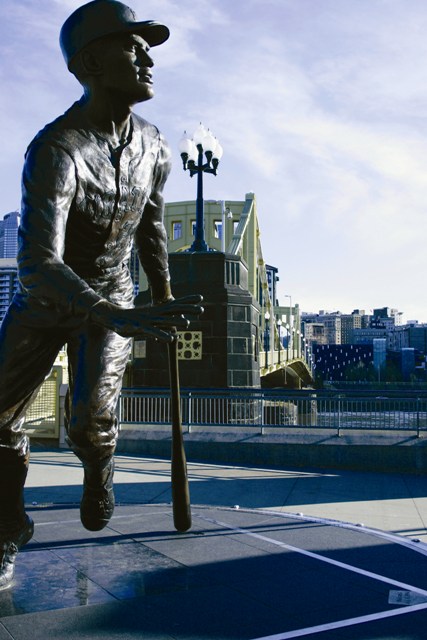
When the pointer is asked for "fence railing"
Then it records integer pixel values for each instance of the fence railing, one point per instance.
(42, 419)
(265, 409)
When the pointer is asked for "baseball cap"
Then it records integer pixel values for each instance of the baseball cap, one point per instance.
(101, 18)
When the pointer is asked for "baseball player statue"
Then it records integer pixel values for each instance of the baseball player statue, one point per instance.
(91, 190)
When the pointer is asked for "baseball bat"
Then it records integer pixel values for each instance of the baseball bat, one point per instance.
(180, 490)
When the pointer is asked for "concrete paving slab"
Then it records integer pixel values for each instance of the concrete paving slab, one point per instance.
(251, 568)
(244, 574)
(391, 501)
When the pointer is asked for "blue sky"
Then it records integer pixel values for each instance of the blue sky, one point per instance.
(320, 106)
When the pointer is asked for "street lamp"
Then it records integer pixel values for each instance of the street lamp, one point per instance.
(267, 337)
(288, 340)
(279, 329)
(224, 210)
(291, 326)
(192, 150)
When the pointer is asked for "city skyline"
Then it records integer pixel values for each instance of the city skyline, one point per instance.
(320, 108)
(8, 254)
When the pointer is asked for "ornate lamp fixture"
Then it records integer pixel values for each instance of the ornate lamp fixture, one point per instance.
(203, 145)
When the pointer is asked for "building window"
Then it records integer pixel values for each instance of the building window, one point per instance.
(193, 227)
(218, 229)
(176, 230)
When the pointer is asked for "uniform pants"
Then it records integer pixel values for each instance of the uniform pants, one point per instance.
(30, 339)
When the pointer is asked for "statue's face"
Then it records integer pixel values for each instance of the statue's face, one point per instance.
(126, 67)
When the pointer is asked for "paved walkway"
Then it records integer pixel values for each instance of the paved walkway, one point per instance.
(273, 554)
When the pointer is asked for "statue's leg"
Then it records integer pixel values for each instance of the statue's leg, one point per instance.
(16, 527)
(97, 360)
(26, 357)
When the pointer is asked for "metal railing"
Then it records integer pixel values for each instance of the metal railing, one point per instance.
(265, 409)
(42, 419)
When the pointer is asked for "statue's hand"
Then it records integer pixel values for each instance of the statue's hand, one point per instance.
(156, 321)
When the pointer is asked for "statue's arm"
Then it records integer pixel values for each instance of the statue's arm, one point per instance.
(48, 189)
(151, 236)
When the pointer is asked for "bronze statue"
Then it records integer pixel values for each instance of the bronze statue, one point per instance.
(91, 187)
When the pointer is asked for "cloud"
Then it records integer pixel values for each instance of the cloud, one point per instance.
(320, 108)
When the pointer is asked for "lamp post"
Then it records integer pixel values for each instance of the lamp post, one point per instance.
(224, 210)
(225, 213)
(192, 150)
(291, 327)
(309, 359)
(279, 329)
(267, 337)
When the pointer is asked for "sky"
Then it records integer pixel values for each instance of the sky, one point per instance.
(320, 107)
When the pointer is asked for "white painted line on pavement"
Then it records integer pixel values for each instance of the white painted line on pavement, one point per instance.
(316, 556)
(419, 547)
(298, 633)
(340, 624)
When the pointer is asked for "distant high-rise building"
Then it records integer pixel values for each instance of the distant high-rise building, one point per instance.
(386, 317)
(334, 361)
(331, 323)
(272, 279)
(315, 332)
(407, 364)
(380, 354)
(9, 235)
(8, 283)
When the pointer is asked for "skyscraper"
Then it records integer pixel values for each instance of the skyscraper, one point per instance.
(9, 235)
(8, 283)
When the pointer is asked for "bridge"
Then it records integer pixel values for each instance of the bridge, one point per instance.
(233, 227)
